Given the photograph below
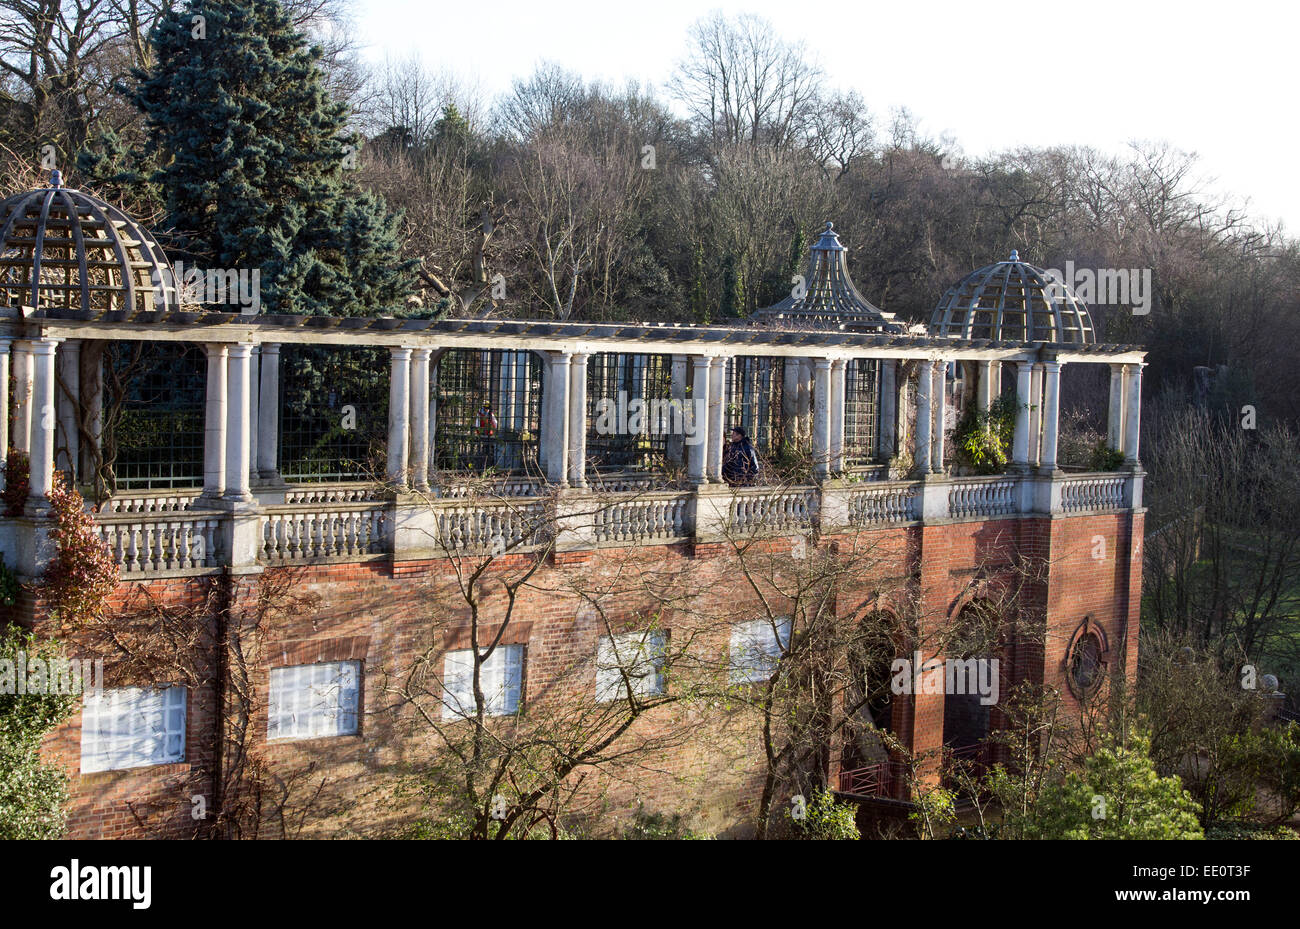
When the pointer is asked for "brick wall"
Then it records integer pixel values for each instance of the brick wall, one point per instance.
(388, 616)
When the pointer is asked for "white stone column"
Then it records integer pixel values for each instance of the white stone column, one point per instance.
(838, 370)
(803, 400)
(268, 414)
(1051, 413)
(983, 391)
(1115, 414)
(578, 419)
(239, 422)
(1036, 414)
(1132, 414)
(924, 447)
(214, 429)
(420, 414)
(68, 403)
(676, 447)
(717, 419)
(1020, 444)
(4, 408)
(939, 400)
(399, 414)
(697, 453)
(821, 432)
(254, 408)
(555, 431)
(22, 353)
(790, 371)
(887, 432)
(43, 426)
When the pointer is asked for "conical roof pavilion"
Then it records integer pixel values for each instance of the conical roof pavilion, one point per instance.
(827, 297)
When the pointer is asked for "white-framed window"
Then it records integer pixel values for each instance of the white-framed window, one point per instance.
(638, 654)
(756, 647)
(312, 701)
(131, 727)
(501, 677)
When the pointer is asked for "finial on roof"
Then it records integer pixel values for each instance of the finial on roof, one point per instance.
(56, 178)
(1015, 255)
(829, 225)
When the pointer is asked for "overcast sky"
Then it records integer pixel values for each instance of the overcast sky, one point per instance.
(1217, 79)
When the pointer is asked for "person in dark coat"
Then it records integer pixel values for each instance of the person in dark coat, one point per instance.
(739, 460)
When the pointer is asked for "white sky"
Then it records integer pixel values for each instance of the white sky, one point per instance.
(1216, 79)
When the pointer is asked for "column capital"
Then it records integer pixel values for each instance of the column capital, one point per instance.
(270, 348)
(822, 363)
(400, 352)
(421, 352)
(45, 345)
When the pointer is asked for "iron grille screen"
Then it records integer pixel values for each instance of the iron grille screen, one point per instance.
(333, 412)
(467, 379)
(156, 436)
(861, 403)
(754, 390)
(621, 378)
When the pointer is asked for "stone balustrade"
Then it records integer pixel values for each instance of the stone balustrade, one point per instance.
(159, 533)
(189, 541)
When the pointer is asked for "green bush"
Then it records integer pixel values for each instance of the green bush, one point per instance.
(660, 826)
(982, 440)
(826, 818)
(33, 794)
(1105, 458)
(1234, 831)
(1117, 795)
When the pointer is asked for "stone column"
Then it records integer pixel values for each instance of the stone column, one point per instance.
(578, 419)
(1132, 414)
(676, 450)
(420, 414)
(1051, 413)
(983, 391)
(717, 421)
(1035, 413)
(939, 400)
(924, 446)
(790, 371)
(68, 404)
(399, 415)
(1115, 417)
(43, 426)
(239, 422)
(1020, 444)
(821, 432)
(433, 422)
(887, 434)
(803, 400)
(555, 431)
(697, 453)
(838, 369)
(4, 408)
(23, 395)
(254, 408)
(268, 414)
(214, 428)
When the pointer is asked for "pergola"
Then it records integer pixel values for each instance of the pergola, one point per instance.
(1005, 315)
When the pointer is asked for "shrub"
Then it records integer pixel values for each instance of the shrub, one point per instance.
(32, 794)
(659, 826)
(982, 440)
(18, 469)
(826, 818)
(83, 573)
(1117, 795)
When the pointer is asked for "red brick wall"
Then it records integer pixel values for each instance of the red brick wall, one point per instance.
(386, 615)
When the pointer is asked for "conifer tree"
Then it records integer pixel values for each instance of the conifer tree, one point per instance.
(253, 159)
